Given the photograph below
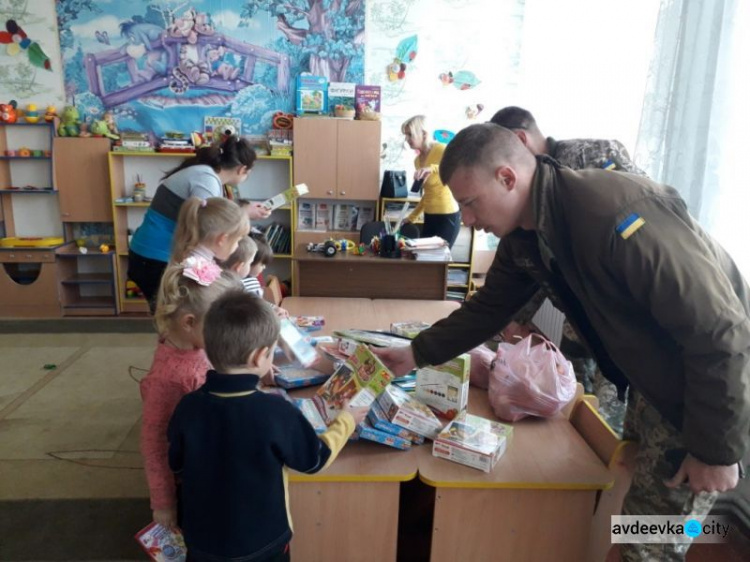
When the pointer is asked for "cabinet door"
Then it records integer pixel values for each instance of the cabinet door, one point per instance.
(315, 155)
(358, 160)
(82, 178)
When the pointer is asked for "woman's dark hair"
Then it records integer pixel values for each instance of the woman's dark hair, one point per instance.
(232, 152)
(264, 254)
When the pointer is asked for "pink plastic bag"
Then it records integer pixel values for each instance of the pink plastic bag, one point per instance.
(530, 380)
(482, 358)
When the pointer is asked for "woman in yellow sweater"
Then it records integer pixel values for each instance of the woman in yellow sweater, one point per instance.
(441, 215)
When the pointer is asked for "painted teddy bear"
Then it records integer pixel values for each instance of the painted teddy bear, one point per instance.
(190, 25)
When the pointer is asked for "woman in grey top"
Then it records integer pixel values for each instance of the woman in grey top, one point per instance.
(204, 175)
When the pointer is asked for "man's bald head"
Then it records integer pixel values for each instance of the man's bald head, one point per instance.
(486, 146)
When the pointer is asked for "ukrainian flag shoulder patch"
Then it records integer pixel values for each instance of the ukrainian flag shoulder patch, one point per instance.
(627, 227)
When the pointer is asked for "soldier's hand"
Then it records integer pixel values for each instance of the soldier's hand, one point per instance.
(702, 477)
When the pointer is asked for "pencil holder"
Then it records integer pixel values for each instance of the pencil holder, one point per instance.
(389, 247)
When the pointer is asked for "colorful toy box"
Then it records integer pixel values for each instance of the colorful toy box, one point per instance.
(312, 94)
(162, 544)
(473, 441)
(409, 329)
(366, 431)
(378, 420)
(445, 388)
(294, 375)
(309, 323)
(406, 411)
(310, 411)
(286, 197)
(360, 380)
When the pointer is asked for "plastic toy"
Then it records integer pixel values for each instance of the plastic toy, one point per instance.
(100, 128)
(50, 114)
(282, 120)
(104, 248)
(31, 115)
(132, 291)
(8, 113)
(70, 126)
(83, 130)
(327, 248)
(109, 118)
(24, 152)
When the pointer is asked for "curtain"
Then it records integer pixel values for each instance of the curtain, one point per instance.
(695, 114)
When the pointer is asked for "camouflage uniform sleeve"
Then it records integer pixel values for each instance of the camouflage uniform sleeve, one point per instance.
(619, 155)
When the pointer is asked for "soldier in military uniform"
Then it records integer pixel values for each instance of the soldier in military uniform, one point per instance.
(576, 154)
(662, 307)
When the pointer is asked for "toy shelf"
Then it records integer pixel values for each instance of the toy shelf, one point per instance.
(142, 204)
(24, 124)
(25, 157)
(87, 283)
(38, 190)
(87, 278)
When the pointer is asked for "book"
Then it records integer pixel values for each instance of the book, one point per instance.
(294, 375)
(294, 343)
(473, 441)
(162, 544)
(306, 216)
(342, 217)
(404, 410)
(323, 216)
(312, 94)
(366, 97)
(286, 197)
(360, 380)
(310, 411)
(445, 388)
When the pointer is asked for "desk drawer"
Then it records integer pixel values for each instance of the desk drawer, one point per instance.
(26, 256)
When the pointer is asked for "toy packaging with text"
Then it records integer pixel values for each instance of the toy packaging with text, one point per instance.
(406, 411)
(445, 388)
(473, 441)
(161, 544)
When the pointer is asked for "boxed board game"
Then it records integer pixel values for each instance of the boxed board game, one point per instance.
(409, 329)
(309, 323)
(360, 380)
(365, 430)
(445, 388)
(373, 337)
(406, 411)
(377, 418)
(286, 197)
(162, 544)
(295, 375)
(295, 344)
(310, 411)
(473, 441)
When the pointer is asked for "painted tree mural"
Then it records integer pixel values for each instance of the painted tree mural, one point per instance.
(329, 33)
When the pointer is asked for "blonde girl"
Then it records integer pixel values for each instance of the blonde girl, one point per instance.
(179, 367)
(209, 228)
(441, 215)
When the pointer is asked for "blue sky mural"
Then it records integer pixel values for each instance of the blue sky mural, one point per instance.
(162, 66)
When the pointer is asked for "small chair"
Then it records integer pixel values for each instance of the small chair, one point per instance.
(370, 230)
(272, 290)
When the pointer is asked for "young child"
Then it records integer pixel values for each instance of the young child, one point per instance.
(263, 258)
(208, 228)
(241, 260)
(232, 445)
(179, 367)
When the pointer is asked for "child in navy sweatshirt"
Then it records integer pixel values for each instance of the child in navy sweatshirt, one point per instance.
(232, 445)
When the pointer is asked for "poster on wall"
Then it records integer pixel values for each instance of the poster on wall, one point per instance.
(166, 66)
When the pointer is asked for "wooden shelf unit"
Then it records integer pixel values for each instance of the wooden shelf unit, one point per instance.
(87, 282)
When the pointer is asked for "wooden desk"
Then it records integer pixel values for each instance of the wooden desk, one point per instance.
(537, 503)
(347, 275)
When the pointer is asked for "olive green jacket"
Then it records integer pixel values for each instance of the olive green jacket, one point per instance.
(663, 308)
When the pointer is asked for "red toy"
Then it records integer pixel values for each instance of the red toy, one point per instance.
(8, 113)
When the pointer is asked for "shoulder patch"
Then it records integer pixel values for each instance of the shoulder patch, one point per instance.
(609, 165)
(627, 227)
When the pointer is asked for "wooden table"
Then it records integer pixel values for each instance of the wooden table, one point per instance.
(348, 275)
(537, 504)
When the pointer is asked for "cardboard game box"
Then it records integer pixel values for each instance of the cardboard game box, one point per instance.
(294, 375)
(161, 544)
(294, 343)
(361, 379)
(286, 197)
(378, 420)
(372, 337)
(445, 388)
(473, 441)
(409, 329)
(406, 411)
(310, 411)
(366, 431)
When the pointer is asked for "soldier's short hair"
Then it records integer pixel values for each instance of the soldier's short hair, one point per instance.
(483, 144)
(513, 117)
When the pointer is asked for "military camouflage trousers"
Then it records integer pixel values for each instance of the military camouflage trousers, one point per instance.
(588, 374)
(648, 495)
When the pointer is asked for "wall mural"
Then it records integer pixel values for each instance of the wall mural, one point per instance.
(162, 66)
(29, 52)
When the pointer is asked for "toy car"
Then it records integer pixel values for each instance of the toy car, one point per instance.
(328, 248)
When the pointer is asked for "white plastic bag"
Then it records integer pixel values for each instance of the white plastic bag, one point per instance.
(530, 380)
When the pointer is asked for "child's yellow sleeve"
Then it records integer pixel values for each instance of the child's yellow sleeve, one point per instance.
(337, 435)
